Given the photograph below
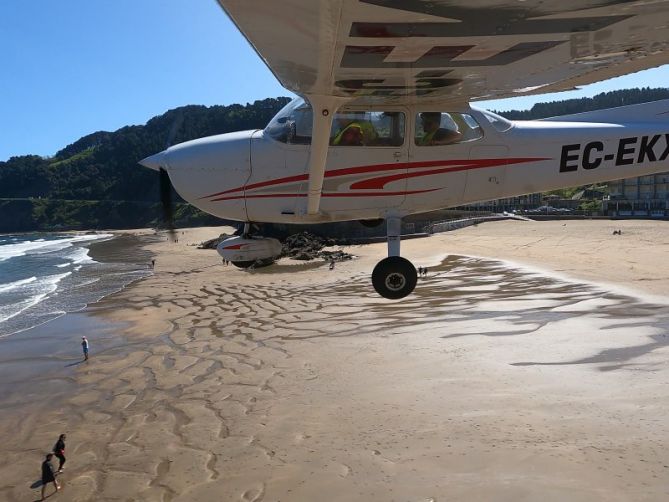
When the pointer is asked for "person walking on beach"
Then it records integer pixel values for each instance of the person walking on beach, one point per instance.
(59, 451)
(84, 347)
(48, 476)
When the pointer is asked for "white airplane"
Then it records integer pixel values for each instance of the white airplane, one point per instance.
(384, 128)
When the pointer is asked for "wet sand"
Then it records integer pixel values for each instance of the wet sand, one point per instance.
(295, 382)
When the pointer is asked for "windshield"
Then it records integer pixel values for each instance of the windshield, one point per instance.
(499, 123)
(292, 124)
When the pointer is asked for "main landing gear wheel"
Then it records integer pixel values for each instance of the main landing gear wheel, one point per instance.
(371, 223)
(394, 277)
(243, 264)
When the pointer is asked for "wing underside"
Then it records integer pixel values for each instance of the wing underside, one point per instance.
(413, 51)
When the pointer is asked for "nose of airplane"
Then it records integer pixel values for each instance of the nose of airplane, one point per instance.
(202, 169)
(154, 162)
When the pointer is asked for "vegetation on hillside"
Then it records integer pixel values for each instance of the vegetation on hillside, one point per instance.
(610, 99)
(75, 187)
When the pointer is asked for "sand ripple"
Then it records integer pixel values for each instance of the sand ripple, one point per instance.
(272, 391)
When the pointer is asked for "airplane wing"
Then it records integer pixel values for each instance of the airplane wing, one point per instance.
(422, 51)
(408, 51)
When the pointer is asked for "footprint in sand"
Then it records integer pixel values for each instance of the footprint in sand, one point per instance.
(378, 454)
(345, 470)
(254, 494)
(301, 437)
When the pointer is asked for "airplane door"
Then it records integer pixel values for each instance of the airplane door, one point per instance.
(439, 155)
(434, 178)
(369, 173)
(486, 183)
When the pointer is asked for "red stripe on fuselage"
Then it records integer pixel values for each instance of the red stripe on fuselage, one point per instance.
(379, 183)
(325, 194)
(457, 165)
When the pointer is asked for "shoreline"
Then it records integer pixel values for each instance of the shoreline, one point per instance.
(110, 262)
(488, 382)
(49, 351)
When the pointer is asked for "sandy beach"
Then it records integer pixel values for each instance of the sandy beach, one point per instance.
(542, 376)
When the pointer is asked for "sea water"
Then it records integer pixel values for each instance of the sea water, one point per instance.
(44, 276)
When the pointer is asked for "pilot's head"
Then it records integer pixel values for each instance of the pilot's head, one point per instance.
(430, 120)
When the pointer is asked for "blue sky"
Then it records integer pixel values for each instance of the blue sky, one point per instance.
(72, 67)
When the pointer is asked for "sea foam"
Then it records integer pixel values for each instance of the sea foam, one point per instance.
(41, 246)
(16, 284)
(31, 293)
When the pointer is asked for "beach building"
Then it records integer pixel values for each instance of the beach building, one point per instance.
(642, 197)
(522, 202)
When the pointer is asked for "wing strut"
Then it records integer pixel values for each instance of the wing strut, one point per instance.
(324, 108)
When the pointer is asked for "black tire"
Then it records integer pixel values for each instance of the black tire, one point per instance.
(254, 263)
(394, 277)
(371, 223)
(243, 264)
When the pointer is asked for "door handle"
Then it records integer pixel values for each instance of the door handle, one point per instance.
(397, 155)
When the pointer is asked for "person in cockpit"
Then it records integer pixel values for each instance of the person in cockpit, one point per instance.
(434, 134)
(354, 130)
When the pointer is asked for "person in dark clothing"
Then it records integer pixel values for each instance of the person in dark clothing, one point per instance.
(434, 134)
(48, 476)
(59, 451)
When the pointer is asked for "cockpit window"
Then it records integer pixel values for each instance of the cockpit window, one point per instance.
(293, 125)
(437, 128)
(499, 123)
(353, 128)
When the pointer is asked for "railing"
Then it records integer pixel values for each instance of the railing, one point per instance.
(447, 226)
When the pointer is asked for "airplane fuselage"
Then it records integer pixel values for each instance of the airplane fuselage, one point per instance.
(249, 176)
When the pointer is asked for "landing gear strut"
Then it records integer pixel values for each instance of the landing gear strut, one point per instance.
(394, 277)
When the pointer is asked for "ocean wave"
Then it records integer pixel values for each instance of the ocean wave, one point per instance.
(55, 315)
(79, 255)
(87, 283)
(41, 246)
(9, 311)
(67, 279)
(35, 291)
(17, 284)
